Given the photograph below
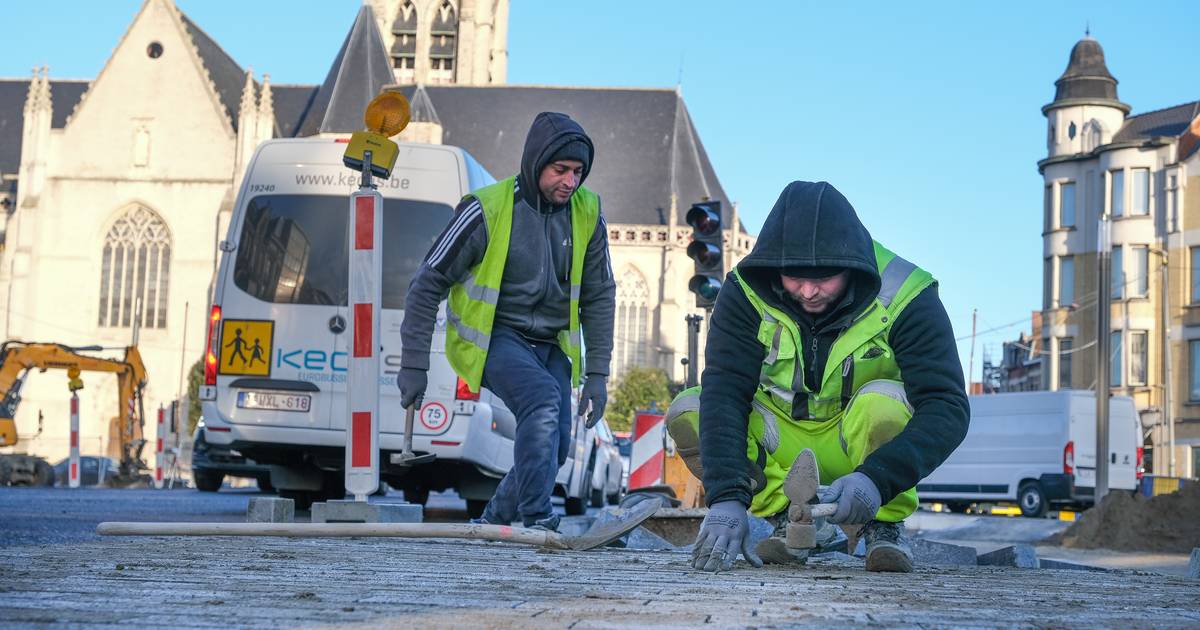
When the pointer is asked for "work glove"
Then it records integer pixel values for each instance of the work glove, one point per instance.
(856, 497)
(594, 396)
(412, 383)
(724, 534)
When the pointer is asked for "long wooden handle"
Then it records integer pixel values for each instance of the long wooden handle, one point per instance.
(496, 533)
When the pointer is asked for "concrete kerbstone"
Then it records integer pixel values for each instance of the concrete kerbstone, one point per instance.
(1194, 565)
(1049, 563)
(350, 511)
(270, 510)
(928, 552)
(1019, 556)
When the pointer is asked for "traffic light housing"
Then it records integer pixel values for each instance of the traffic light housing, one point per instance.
(707, 251)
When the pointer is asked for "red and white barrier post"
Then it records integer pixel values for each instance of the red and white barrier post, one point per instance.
(159, 464)
(362, 377)
(73, 466)
(646, 459)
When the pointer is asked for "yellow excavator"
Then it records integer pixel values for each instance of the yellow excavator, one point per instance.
(125, 431)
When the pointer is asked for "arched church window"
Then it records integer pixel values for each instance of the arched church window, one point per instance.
(631, 337)
(443, 44)
(404, 49)
(1093, 134)
(135, 264)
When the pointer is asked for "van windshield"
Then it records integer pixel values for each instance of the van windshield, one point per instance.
(293, 248)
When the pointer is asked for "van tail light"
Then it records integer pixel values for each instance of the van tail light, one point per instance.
(1141, 466)
(211, 351)
(462, 392)
(1069, 458)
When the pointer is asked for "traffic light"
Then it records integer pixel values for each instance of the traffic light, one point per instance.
(707, 251)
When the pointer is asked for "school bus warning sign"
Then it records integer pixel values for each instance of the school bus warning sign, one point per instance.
(246, 347)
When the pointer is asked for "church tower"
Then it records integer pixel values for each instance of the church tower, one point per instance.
(462, 42)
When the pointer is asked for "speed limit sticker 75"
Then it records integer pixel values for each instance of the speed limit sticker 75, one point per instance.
(434, 416)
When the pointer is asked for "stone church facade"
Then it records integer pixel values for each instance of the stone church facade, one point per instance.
(117, 191)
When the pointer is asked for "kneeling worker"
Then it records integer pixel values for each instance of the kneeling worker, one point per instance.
(822, 339)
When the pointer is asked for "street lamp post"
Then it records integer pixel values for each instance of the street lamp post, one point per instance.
(1103, 355)
(1169, 424)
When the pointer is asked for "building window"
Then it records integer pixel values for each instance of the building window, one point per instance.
(1194, 390)
(1091, 135)
(632, 322)
(1195, 270)
(443, 45)
(1065, 344)
(1115, 364)
(1139, 192)
(1071, 131)
(1116, 193)
(1048, 283)
(404, 48)
(1196, 462)
(1137, 357)
(1048, 208)
(135, 264)
(1118, 272)
(1066, 204)
(1066, 281)
(1141, 261)
(1050, 137)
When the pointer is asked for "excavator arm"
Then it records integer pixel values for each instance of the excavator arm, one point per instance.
(17, 357)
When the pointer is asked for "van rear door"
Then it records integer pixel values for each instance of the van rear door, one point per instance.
(280, 306)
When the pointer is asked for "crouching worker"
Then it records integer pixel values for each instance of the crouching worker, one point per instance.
(821, 339)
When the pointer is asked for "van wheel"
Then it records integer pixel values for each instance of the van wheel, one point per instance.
(475, 507)
(302, 498)
(420, 496)
(208, 481)
(598, 498)
(958, 507)
(1032, 500)
(614, 498)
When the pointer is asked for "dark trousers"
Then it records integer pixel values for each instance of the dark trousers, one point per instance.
(534, 381)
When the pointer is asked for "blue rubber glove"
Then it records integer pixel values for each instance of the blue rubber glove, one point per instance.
(412, 383)
(724, 534)
(857, 499)
(594, 396)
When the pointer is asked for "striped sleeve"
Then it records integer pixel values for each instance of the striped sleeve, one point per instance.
(467, 219)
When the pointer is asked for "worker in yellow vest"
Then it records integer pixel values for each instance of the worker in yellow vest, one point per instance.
(823, 339)
(525, 265)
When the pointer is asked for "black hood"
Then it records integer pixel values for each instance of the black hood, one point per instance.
(549, 132)
(812, 225)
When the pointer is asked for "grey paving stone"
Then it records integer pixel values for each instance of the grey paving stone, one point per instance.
(1050, 563)
(928, 552)
(1019, 556)
(270, 510)
(349, 511)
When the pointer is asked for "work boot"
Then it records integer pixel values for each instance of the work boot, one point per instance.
(888, 548)
(548, 524)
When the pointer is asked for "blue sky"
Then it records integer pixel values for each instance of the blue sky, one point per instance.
(925, 115)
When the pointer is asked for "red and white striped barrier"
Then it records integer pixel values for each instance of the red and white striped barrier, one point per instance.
(646, 459)
(159, 463)
(73, 466)
(362, 377)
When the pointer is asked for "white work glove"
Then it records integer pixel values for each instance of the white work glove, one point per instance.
(856, 496)
(724, 534)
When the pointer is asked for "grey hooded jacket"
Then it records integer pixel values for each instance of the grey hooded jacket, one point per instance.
(536, 290)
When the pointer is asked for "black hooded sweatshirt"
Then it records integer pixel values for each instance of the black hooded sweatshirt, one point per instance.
(813, 225)
(535, 292)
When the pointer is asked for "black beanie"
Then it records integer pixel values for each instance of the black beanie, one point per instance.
(574, 150)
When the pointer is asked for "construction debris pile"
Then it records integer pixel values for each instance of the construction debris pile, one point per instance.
(1167, 523)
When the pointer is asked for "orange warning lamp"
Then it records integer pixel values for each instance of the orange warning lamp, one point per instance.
(74, 383)
(387, 115)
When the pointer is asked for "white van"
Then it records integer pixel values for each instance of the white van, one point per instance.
(275, 370)
(1038, 449)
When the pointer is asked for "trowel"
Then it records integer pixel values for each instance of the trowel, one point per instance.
(407, 457)
(624, 521)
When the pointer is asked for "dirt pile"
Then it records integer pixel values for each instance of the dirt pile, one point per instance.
(1127, 522)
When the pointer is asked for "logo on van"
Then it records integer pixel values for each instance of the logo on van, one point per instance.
(246, 347)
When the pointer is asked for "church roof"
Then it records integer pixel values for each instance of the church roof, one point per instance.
(359, 72)
(64, 95)
(227, 76)
(646, 145)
